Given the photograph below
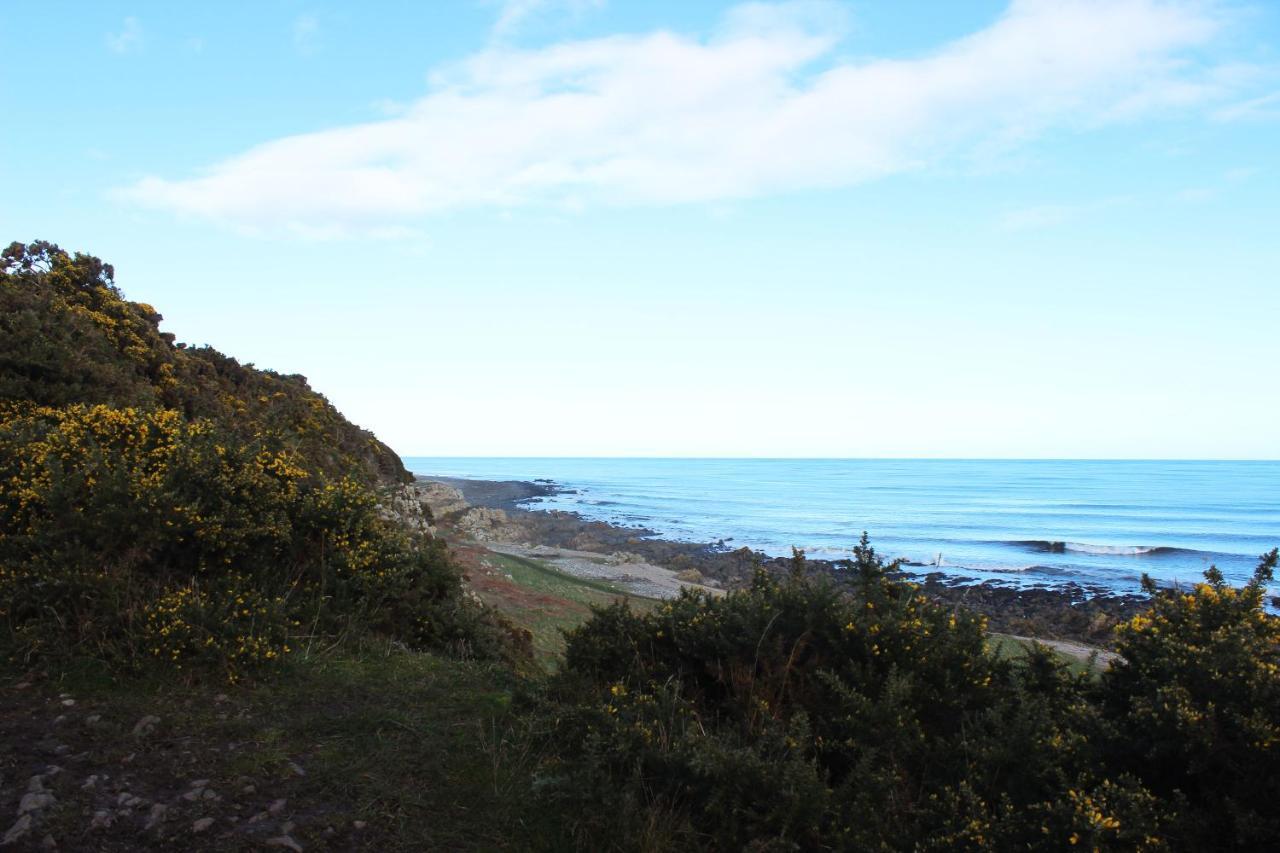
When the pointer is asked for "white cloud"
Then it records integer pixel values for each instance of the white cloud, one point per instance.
(761, 106)
(128, 39)
(306, 33)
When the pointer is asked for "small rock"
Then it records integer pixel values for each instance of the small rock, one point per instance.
(60, 719)
(158, 813)
(200, 783)
(359, 824)
(128, 801)
(221, 697)
(17, 831)
(102, 819)
(34, 801)
(259, 817)
(62, 749)
(249, 789)
(146, 725)
(211, 795)
(93, 719)
(277, 807)
(285, 842)
(90, 783)
(202, 824)
(193, 795)
(297, 768)
(68, 703)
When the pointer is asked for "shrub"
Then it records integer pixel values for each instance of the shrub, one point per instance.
(68, 336)
(167, 504)
(132, 534)
(1195, 707)
(806, 714)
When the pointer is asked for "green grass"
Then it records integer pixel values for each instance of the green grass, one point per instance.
(547, 621)
(1005, 646)
(541, 577)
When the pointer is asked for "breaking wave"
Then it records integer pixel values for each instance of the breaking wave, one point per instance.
(1050, 547)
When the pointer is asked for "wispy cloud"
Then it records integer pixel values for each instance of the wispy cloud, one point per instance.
(1195, 195)
(761, 106)
(1037, 217)
(1216, 187)
(1266, 106)
(129, 38)
(514, 14)
(306, 34)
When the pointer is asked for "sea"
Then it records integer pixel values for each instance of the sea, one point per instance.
(1099, 524)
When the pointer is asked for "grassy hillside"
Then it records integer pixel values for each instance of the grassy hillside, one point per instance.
(68, 335)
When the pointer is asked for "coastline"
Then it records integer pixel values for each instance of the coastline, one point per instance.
(494, 513)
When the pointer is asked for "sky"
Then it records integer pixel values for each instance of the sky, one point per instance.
(602, 228)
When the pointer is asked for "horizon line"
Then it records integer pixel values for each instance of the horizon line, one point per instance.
(863, 458)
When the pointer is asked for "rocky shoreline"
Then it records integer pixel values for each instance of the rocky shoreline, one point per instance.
(498, 512)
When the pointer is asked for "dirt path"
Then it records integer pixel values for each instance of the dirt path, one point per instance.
(635, 576)
(1079, 651)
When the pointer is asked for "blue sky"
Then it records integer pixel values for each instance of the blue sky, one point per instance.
(590, 227)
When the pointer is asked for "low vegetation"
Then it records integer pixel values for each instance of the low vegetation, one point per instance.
(802, 714)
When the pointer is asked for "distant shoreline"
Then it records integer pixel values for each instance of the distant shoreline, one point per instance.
(1071, 612)
(497, 494)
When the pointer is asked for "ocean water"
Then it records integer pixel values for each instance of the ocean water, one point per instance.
(1034, 522)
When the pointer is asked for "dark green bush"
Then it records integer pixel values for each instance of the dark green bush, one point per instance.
(806, 714)
(127, 534)
(1195, 708)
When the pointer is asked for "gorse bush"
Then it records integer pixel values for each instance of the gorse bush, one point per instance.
(809, 714)
(132, 530)
(1196, 707)
(129, 533)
